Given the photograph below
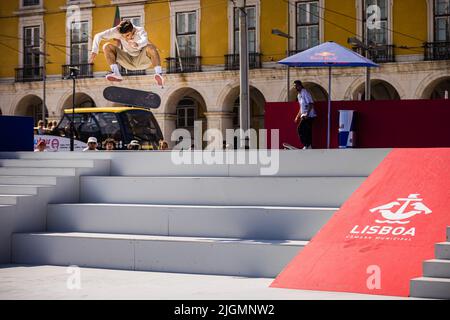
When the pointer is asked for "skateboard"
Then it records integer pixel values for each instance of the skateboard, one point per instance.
(132, 97)
(289, 147)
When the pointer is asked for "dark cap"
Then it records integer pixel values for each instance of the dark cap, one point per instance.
(298, 82)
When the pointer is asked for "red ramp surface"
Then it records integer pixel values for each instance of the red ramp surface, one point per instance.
(377, 241)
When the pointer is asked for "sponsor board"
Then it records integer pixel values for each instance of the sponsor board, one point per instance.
(55, 143)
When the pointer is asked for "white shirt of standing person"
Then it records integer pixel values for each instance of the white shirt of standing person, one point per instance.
(306, 104)
(140, 39)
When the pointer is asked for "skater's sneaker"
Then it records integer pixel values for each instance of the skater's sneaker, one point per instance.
(114, 77)
(159, 80)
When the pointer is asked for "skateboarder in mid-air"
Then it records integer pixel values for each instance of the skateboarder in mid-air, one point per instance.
(131, 49)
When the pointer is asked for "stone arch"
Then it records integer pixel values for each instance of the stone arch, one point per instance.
(317, 91)
(381, 90)
(31, 106)
(82, 100)
(180, 102)
(178, 94)
(223, 96)
(230, 103)
(436, 88)
(424, 85)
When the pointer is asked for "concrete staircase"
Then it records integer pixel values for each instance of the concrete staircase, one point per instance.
(152, 215)
(27, 186)
(435, 282)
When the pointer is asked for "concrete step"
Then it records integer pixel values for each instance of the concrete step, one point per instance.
(241, 191)
(11, 199)
(245, 222)
(23, 163)
(348, 162)
(60, 155)
(219, 256)
(37, 171)
(28, 180)
(436, 268)
(435, 288)
(442, 250)
(20, 189)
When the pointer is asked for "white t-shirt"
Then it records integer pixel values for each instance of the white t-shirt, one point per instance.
(305, 99)
(140, 37)
(87, 149)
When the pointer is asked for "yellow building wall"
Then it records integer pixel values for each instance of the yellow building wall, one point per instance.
(335, 16)
(9, 57)
(157, 24)
(213, 32)
(102, 19)
(273, 16)
(410, 18)
(56, 42)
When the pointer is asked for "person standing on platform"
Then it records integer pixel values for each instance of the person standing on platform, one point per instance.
(306, 115)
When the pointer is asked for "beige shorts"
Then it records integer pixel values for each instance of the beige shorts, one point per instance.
(141, 62)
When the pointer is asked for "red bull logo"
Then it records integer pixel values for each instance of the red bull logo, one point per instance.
(325, 56)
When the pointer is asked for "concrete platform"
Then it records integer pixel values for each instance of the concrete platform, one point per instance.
(248, 222)
(226, 256)
(48, 282)
(241, 191)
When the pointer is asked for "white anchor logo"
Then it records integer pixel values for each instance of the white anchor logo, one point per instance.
(400, 215)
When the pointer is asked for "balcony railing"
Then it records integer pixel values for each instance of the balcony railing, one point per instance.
(379, 54)
(29, 74)
(85, 70)
(188, 64)
(437, 51)
(125, 72)
(232, 61)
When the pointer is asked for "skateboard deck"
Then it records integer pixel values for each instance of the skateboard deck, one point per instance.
(289, 147)
(132, 97)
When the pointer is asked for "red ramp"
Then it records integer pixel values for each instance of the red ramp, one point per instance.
(377, 241)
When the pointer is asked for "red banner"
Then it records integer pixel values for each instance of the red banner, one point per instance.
(377, 241)
(378, 124)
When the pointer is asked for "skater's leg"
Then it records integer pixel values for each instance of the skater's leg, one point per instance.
(153, 54)
(308, 132)
(110, 51)
(301, 132)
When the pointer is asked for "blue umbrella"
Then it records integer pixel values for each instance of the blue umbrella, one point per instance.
(331, 55)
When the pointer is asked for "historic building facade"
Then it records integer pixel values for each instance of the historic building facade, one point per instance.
(198, 42)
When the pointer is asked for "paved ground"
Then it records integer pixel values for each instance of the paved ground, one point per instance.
(50, 282)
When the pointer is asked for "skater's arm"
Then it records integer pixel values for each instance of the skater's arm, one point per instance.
(105, 35)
